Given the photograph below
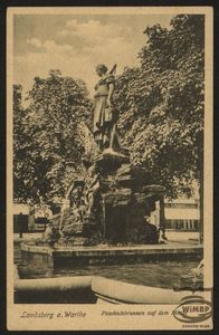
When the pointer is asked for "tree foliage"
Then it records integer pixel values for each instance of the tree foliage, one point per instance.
(162, 103)
(48, 137)
(21, 146)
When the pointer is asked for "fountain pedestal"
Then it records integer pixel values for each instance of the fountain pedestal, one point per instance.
(112, 205)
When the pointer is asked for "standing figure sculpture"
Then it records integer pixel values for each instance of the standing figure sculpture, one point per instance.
(92, 187)
(104, 112)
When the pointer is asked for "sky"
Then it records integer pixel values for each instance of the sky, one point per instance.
(75, 44)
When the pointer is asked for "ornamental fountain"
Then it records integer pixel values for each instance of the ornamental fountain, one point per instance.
(113, 201)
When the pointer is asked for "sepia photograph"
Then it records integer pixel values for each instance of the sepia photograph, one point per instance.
(109, 168)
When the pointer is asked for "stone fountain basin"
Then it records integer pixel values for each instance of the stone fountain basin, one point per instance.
(85, 256)
(88, 289)
(95, 289)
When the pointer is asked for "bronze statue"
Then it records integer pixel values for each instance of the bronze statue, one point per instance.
(104, 112)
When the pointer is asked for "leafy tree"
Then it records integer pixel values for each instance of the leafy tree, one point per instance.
(52, 143)
(23, 171)
(162, 104)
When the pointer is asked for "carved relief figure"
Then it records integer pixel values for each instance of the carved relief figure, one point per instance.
(92, 186)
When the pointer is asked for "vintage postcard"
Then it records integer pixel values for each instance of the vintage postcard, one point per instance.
(109, 168)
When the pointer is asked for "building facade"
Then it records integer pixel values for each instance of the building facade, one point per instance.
(182, 214)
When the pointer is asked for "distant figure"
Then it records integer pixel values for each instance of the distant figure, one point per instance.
(104, 112)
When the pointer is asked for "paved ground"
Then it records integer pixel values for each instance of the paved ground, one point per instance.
(27, 236)
(182, 235)
(174, 237)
